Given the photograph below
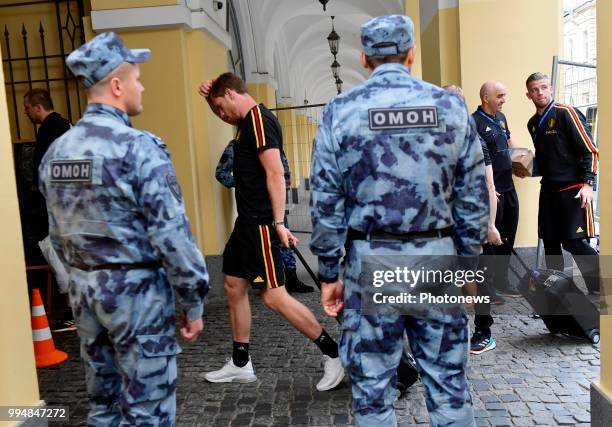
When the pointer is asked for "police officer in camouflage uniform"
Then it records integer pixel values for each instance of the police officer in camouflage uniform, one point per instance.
(224, 174)
(397, 166)
(117, 221)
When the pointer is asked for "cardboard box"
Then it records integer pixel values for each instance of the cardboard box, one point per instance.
(522, 161)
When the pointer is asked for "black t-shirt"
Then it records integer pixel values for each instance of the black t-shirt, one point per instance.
(50, 129)
(257, 132)
(34, 208)
(564, 149)
(485, 152)
(495, 133)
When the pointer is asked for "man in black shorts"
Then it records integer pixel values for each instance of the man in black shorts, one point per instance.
(567, 160)
(252, 255)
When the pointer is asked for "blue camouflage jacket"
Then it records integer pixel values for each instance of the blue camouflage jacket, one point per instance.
(400, 155)
(113, 198)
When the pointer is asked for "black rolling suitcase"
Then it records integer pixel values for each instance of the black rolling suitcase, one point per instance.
(560, 304)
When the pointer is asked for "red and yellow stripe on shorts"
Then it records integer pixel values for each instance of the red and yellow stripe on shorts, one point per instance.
(590, 220)
(266, 250)
(588, 212)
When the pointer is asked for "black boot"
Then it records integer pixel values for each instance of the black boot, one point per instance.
(293, 284)
(407, 374)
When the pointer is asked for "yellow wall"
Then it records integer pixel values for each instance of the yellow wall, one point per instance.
(299, 177)
(263, 93)
(492, 48)
(211, 138)
(440, 48)
(302, 128)
(18, 382)
(430, 52)
(88, 29)
(287, 122)
(298, 145)
(412, 8)
(450, 68)
(604, 88)
(195, 136)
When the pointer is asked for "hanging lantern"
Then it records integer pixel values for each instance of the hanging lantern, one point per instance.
(339, 85)
(335, 66)
(334, 40)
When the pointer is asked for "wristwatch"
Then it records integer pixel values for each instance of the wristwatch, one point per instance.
(589, 182)
(275, 223)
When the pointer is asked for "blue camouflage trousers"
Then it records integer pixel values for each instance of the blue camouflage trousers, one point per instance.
(125, 320)
(288, 259)
(287, 254)
(371, 346)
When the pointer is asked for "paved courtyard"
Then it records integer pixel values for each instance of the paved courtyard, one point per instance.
(531, 378)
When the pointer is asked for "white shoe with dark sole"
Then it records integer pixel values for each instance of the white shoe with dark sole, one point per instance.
(231, 373)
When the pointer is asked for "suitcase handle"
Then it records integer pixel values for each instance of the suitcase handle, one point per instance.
(511, 268)
(520, 260)
(517, 257)
(306, 266)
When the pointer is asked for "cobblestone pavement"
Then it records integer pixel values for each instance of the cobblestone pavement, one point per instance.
(531, 378)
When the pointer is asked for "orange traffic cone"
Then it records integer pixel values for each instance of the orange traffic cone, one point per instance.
(44, 348)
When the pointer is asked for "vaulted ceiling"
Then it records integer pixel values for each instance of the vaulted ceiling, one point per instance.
(284, 42)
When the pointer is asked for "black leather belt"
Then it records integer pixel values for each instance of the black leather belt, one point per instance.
(112, 266)
(384, 235)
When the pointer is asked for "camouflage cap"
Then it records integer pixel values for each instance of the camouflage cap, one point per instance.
(98, 57)
(387, 35)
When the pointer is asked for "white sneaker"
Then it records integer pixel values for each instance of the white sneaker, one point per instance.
(333, 373)
(232, 373)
